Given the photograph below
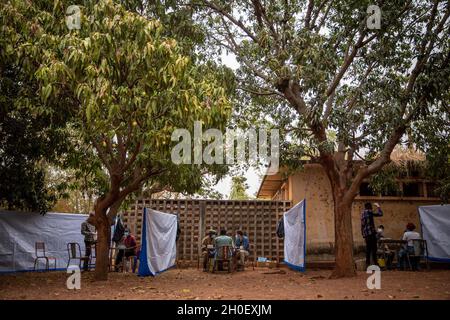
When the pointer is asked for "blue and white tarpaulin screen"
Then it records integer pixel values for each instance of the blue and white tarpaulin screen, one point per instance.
(295, 237)
(158, 248)
(435, 221)
(19, 231)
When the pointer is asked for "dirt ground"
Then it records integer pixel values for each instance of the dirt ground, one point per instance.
(249, 284)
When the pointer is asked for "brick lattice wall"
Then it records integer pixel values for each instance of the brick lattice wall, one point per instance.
(258, 218)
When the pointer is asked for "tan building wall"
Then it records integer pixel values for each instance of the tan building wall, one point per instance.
(312, 184)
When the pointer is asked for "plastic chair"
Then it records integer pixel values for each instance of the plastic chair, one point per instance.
(223, 254)
(74, 251)
(39, 250)
(420, 251)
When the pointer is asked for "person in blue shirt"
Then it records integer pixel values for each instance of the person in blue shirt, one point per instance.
(243, 247)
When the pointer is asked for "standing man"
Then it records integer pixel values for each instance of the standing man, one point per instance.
(368, 231)
(243, 246)
(208, 248)
(88, 230)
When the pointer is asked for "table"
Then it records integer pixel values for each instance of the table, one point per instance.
(393, 245)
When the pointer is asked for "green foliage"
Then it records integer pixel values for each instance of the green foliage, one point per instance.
(433, 136)
(131, 86)
(126, 85)
(31, 135)
(385, 182)
(238, 188)
(286, 53)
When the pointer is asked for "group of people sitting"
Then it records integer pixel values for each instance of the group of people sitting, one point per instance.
(212, 244)
(408, 248)
(375, 247)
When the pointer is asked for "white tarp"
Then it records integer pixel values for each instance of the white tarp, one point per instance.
(435, 221)
(295, 237)
(158, 249)
(20, 230)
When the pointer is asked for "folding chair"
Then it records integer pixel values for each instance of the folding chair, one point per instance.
(74, 251)
(39, 250)
(420, 251)
(223, 254)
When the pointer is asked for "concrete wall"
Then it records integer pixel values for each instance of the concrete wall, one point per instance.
(312, 184)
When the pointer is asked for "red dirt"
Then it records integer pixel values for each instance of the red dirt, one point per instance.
(195, 284)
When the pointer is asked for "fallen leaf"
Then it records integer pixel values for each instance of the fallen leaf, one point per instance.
(186, 290)
(319, 296)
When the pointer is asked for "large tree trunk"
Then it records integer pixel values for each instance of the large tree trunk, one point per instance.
(103, 222)
(345, 265)
(342, 200)
(103, 243)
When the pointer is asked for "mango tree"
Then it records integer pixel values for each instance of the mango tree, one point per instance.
(365, 71)
(130, 87)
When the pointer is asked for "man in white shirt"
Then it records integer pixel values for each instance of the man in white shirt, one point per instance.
(408, 236)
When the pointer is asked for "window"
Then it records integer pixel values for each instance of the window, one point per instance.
(431, 190)
(365, 190)
(391, 191)
(413, 189)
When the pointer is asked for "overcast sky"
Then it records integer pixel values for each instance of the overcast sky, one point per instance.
(253, 180)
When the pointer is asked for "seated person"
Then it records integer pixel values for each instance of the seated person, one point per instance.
(208, 247)
(383, 249)
(380, 232)
(408, 236)
(243, 246)
(127, 246)
(222, 241)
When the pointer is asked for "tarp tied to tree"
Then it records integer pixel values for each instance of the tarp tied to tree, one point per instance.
(339, 90)
(130, 87)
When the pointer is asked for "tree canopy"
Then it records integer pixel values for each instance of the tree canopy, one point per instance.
(239, 188)
(128, 86)
(314, 68)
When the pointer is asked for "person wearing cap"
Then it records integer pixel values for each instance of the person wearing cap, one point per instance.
(89, 233)
(208, 247)
(408, 236)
